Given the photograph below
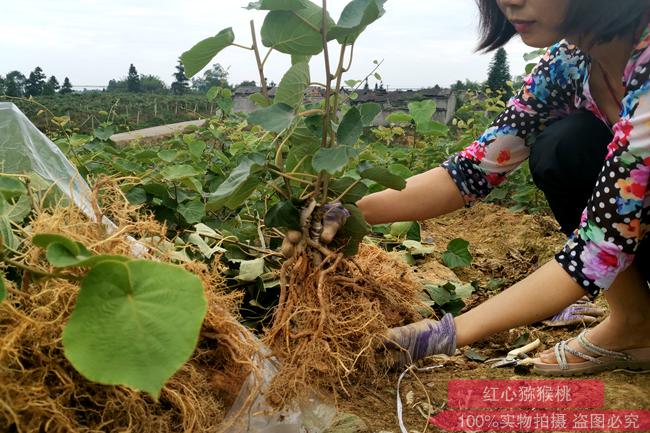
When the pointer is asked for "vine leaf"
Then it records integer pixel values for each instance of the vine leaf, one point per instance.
(356, 16)
(382, 176)
(192, 211)
(457, 254)
(422, 112)
(250, 270)
(275, 118)
(63, 252)
(197, 57)
(399, 117)
(238, 186)
(296, 31)
(369, 111)
(3, 289)
(351, 127)
(291, 90)
(11, 188)
(284, 214)
(332, 160)
(130, 314)
(354, 193)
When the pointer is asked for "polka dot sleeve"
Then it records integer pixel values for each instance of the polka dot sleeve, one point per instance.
(547, 95)
(617, 216)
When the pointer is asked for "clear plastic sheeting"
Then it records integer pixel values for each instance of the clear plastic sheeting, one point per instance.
(25, 150)
(251, 412)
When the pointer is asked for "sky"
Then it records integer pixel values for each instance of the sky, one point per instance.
(421, 42)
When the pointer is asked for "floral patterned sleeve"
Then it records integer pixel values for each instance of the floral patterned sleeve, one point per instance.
(549, 93)
(617, 216)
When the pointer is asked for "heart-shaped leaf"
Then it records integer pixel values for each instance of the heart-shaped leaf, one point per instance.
(334, 159)
(197, 57)
(239, 185)
(275, 118)
(192, 211)
(283, 215)
(457, 254)
(369, 111)
(134, 323)
(295, 31)
(351, 128)
(356, 16)
(382, 176)
(277, 5)
(291, 90)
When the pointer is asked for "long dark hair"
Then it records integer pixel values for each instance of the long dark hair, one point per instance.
(604, 20)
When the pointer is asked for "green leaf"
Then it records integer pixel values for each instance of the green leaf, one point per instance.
(439, 294)
(332, 160)
(302, 154)
(277, 5)
(400, 170)
(197, 57)
(135, 323)
(457, 254)
(400, 229)
(351, 127)
(239, 185)
(250, 270)
(422, 112)
(339, 186)
(356, 16)
(296, 31)
(382, 176)
(3, 289)
(356, 228)
(291, 90)
(196, 148)
(369, 111)
(259, 99)
(168, 155)
(275, 118)
(60, 256)
(44, 240)
(297, 58)
(104, 134)
(399, 117)
(193, 211)
(9, 240)
(11, 187)
(177, 172)
(18, 211)
(284, 214)
(473, 355)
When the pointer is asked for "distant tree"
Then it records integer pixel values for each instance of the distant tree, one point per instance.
(366, 86)
(247, 83)
(467, 85)
(133, 80)
(181, 85)
(499, 73)
(51, 86)
(67, 87)
(3, 84)
(152, 84)
(15, 84)
(215, 76)
(117, 85)
(35, 84)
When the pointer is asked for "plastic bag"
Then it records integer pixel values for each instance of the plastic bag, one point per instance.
(251, 412)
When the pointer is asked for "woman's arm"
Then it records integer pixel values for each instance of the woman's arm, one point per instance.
(426, 195)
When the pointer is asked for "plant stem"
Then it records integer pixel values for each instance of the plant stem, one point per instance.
(347, 190)
(242, 46)
(260, 64)
(37, 272)
(286, 176)
(321, 182)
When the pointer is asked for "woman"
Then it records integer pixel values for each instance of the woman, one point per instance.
(587, 134)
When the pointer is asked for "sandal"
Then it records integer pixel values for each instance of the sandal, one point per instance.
(597, 359)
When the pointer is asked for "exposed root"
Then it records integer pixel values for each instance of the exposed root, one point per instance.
(333, 315)
(39, 389)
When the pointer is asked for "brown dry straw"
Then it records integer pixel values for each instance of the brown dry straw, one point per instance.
(39, 389)
(331, 318)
